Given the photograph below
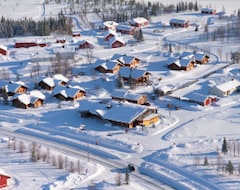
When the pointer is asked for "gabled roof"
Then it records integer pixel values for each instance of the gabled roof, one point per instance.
(199, 56)
(108, 32)
(185, 62)
(196, 96)
(66, 92)
(13, 86)
(178, 21)
(208, 9)
(138, 20)
(125, 95)
(30, 98)
(125, 112)
(228, 85)
(116, 38)
(135, 73)
(109, 64)
(124, 27)
(81, 42)
(187, 55)
(49, 81)
(110, 24)
(60, 77)
(3, 47)
(125, 59)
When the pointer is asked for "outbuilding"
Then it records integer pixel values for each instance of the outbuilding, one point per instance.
(3, 180)
(116, 42)
(3, 50)
(226, 88)
(179, 23)
(139, 22)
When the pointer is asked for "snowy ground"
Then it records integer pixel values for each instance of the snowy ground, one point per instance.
(174, 151)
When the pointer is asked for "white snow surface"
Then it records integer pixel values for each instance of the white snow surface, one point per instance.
(173, 151)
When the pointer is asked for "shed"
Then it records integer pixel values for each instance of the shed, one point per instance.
(4, 180)
(25, 44)
(208, 11)
(125, 29)
(3, 50)
(110, 25)
(203, 100)
(116, 42)
(226, 88)
(108, 34)
(139, 22)
(175, 22)
(85, 44)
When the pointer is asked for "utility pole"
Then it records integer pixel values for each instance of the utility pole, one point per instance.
(88, 155)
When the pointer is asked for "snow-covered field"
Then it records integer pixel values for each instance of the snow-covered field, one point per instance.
(173, 152)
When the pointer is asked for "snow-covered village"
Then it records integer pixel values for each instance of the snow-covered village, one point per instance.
(111, 94)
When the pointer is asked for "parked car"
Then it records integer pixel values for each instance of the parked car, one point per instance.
(131, 167)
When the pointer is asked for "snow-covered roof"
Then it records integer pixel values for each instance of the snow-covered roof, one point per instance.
(208, 9)
(24, 98)
(64, 49)
(178, 21)
(138, 20)
(108, 32)
(60, 77)
(70, 91)
(38, 94)
(81, 42)
(49, 81)
(124, 27)
(228, 85)
(199, 56)
(187, 55)
(110, 24)
(124, 112)
(3, 47)
(135, 73)
(125, 59)
(13, 86)
(185, 62)
(109, 64)
(165, 88)
(196, 96)
(31, 97)
(116, 38)
(125, 95)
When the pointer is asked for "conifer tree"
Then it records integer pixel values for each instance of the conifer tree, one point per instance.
(224, 146)
(229, 167)
(206, 161)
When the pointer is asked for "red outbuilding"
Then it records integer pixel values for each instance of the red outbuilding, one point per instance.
(3, 180)
(85, 44)
(3, 50)
(25, 44)
(116, 42)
